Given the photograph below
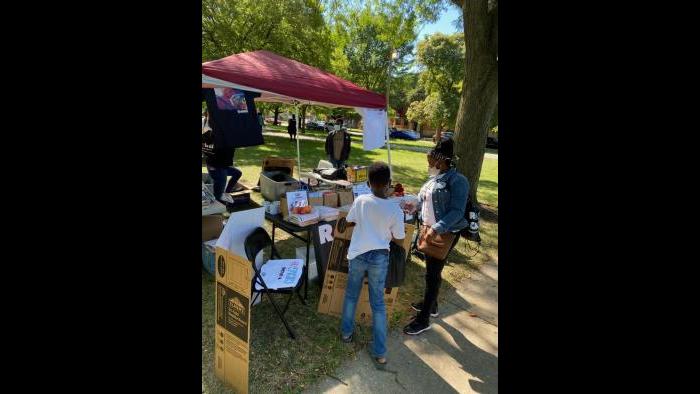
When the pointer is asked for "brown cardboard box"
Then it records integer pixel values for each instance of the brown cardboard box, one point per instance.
(345, 197)
(357, 174)
(283, 207)
(279, 163)
(212, 226)
(333, 296)
(315, 201)
(232, 331)
(363, 313)
(330, 199)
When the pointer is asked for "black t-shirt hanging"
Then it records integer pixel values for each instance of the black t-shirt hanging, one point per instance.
(232, 117)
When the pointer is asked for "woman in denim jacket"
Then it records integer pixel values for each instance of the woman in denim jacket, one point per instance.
(441, 206)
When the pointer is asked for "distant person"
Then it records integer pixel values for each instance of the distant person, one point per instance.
(260, 118)
(377, 221)
(338, 145)
(292, 128)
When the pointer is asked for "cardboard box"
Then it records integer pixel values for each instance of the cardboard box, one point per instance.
(333, 296)
(279, 164)
(316, 199)
(330, 199)
(345, 197)
(232, 332)
(284, 208)
(357, 174)
(212, 226)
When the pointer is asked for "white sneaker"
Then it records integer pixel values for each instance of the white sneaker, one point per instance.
(225, 197)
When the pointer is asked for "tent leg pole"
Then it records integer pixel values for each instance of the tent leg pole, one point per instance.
(296, 108)
(388, 148)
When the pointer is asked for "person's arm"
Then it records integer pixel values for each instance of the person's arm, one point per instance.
(459, 192)
(398, 229)
(329, 143)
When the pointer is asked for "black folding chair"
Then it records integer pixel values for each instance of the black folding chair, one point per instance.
(257, 241)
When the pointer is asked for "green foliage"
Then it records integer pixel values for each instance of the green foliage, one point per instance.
(441, 58)
(292, 28)
(432, 110)
(365, 34)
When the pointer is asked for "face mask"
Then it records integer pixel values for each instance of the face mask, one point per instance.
(433, 171)
(337, 127)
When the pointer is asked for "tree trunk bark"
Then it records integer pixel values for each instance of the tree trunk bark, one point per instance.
(277, 112)
(479, 95)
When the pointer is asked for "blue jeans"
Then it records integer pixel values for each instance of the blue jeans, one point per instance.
(376, 264)
(336, 163)
(219, 176)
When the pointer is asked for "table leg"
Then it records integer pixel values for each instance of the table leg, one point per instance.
(273, 233)
(306, 285)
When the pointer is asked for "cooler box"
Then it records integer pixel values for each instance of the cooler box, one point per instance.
(274, 184)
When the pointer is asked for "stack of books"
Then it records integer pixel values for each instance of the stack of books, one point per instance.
(327, 214)
(304, 219)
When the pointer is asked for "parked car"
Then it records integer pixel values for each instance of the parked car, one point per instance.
(491, 143)
(404, 134)
(312, 125)
(445, 135)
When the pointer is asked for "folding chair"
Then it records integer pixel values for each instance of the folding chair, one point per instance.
(257, 241)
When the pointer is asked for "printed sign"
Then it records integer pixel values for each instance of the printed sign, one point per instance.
(232, 311)
(231, 100)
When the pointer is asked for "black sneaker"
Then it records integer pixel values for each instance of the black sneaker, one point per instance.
(418, 306)
(415, 328)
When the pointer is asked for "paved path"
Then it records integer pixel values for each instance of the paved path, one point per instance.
(459, 355)
(303, 137)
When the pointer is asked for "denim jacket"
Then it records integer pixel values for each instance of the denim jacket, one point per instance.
(449, 202)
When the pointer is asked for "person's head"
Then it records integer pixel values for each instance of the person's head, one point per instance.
(338, 124)
(441, 157)
(379, 178)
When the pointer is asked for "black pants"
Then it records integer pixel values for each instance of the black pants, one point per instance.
(433, 279)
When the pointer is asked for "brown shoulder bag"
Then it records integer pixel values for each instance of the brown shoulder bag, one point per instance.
(438, 247)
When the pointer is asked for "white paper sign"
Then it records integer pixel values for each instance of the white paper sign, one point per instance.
(238, 227)
(281, 274)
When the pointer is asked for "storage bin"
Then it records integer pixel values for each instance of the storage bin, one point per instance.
(274, 184)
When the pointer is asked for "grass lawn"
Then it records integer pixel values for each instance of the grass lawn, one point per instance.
(280, 364)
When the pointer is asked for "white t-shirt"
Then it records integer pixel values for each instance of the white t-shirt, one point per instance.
(427, 212)
(376, 220)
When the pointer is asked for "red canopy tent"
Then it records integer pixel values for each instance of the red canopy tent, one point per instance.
(279, 79)
(284, 80)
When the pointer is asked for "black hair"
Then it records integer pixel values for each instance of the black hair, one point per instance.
(444, 150)
(379, 174)
(339, 122)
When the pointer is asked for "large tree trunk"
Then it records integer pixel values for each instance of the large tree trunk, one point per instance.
(277, 112)
(480, 93)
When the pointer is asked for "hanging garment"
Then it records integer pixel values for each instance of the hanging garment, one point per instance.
(232, 117)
